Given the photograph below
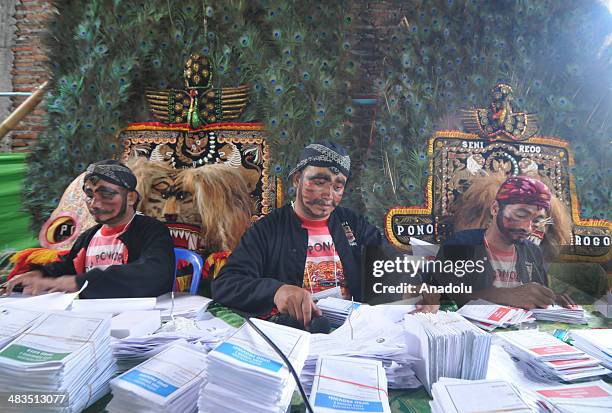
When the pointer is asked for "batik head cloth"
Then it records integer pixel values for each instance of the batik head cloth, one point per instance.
(114, 172)
(324, 154)
(524, 190)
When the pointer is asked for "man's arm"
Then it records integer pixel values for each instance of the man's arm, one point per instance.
(148, 276)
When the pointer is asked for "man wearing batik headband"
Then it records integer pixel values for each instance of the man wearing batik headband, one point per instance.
(125, 255)
(512, 267)
(304, 249)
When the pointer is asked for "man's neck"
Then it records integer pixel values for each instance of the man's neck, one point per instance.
(496, 240)
(124, 221)
(304, 216)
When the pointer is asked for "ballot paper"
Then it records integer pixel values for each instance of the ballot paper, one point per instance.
(168, 382)
(595, 342)
(423, 248)
(135, 323)
(113, 305)
(489, 316)
(447, 345)
(469, 396)
(374, 332)
(43, 302)
(604, 305)
(207, 334)
(63, 352)
(182, 305)
(573, 315)
(346, 384)
(336, 309)
(591, 397)
(14, 321)
(244, 374)
(545, 355)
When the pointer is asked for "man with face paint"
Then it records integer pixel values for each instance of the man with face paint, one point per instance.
(512, 267)
(302, 249)
(125, 255)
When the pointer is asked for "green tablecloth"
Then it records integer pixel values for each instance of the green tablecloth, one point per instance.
(401, 401)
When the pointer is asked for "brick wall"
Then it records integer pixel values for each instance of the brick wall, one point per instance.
(29, 65)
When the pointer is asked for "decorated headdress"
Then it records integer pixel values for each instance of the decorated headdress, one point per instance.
(114, 172)
(324, 154)
(524, 190)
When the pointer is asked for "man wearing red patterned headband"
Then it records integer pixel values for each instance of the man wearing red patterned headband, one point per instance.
(507, 268)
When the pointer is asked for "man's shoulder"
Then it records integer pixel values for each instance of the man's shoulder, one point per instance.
(466, 237)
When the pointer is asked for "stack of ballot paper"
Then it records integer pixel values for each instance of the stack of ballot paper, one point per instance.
(113, 305)
(489, 316)
(346, 384)
(15, 321)
(168, 382)
(591, 397)
(574, 315)
(207, 334)
(336, 309)
(447, 345)
(182, 305)
(372, 333)
(244, 374)
(462, 396)
(135, 323)
(596, 343)
(64, 353)
(549, 357)
(43, 302)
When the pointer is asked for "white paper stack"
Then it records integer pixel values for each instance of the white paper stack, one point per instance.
(336, 309)
(113, 305)
(490, 316)
(595, 342)
(373, 333)
(65, 353)
(168, 382)
(574, 315)
(183, 305)
(244, 374)
(346, 384)
(207, 334)
(592, 397)
(43, 302)
(135, 323)
(550, 357)
(462, 396)
(447, 345)
(15, 321)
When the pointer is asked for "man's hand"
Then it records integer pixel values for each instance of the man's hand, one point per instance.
(527, 296)
(22, 279)
(565, 300)
(429, 304)
(297, 302)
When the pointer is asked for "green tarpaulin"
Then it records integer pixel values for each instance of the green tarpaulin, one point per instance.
(15, 230)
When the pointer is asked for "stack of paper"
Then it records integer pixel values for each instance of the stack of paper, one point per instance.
(489, 316)
(347, 384)
(595, 342)
(336, 309)
(168, 382)
(113, 305)
(461, 396)
(135, 323)
(244, 374)
(550, 357)
(44, 302)
(15, 321)
(207, 334)
(574, 315)
(64, 353)
(447, 345)
(373, 333)
(182, 305)
(590, 397)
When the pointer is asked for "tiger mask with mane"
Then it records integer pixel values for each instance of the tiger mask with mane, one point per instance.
(206, 209)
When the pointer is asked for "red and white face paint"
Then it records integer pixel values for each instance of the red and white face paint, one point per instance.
(318, 192)
(517, 222)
